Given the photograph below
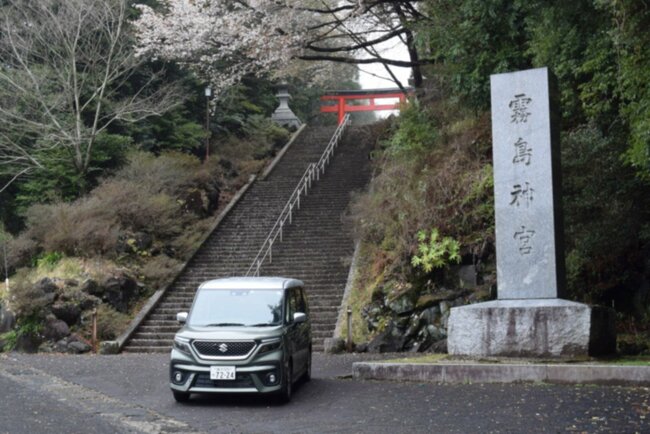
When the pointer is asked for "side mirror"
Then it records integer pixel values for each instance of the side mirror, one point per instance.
(181, 317)
(299, 317)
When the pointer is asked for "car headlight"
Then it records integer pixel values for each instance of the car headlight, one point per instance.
(182, 345)
(269, 345)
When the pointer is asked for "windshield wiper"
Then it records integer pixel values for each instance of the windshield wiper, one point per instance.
(223, 324)
(262, 324)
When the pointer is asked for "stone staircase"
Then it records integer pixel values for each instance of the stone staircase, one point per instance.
(316, 248)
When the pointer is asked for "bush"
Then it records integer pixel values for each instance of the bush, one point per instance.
(21, 250)
(110, 323)
(84, 227)
(159, 271)
(434, 251)
(170, 173)
(447, 185)
(27, 300)
(27, 327)
(137, 208)
(264, 131)
(416, 130)
(144, 196)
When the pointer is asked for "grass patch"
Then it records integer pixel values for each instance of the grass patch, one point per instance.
(429, 358)
(73, 268)
(627, 361)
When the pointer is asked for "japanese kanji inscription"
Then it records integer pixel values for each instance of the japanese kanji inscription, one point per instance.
(526, 186)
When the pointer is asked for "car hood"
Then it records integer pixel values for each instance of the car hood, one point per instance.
(230, 333)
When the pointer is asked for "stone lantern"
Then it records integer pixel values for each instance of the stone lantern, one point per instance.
(283, 114)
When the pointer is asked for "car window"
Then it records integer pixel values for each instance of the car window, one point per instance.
(302, 303)
(292, 305)
(245, 307)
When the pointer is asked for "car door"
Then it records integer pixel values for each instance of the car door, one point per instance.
(293, 331)
(301, 332)
(304, 335)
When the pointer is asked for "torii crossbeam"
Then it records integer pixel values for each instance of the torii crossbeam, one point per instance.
(342, 97)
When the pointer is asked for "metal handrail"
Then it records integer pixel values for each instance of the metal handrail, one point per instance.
(313, 172)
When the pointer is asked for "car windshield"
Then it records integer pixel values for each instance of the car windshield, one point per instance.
(236, 307)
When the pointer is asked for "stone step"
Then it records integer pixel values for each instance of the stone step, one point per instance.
(315, 247)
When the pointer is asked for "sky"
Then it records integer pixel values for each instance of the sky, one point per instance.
(392, 51)
(369, 81)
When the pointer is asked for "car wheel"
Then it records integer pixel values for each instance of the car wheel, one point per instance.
(307, 375)
(287, 383)
(181, 396)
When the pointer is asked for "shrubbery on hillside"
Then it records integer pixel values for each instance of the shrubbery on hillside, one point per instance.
(151, 196)
(126, 238)
(437, 181)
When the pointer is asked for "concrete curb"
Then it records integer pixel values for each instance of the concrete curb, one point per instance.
(463, 373)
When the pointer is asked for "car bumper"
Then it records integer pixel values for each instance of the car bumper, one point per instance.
(251, 375)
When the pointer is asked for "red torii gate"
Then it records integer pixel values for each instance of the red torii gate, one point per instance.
(343, 96)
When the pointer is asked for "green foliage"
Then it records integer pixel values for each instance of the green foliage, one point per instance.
(605, 209)
(434, 251)
(631, 22)
(416, 130)
(61, 180)
(445, 185)
(263, 130)
(253, 96)
(473, 39)
(48, 260)
(174, 131)
(28, 326)
(596, 48)
(10, 339)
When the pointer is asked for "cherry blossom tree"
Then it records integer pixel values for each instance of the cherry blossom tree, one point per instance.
(223, 40)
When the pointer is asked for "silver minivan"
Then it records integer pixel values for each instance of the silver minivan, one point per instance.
(243, 335)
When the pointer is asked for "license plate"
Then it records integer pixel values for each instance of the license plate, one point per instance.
(222, 372)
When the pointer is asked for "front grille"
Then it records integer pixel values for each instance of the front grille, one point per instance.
(242, 380)
(223, 348)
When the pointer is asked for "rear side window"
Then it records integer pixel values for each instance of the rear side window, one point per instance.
(302, 301)
(296, 302)
(292, 305)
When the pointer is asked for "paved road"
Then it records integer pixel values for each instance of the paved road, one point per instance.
(128, 393)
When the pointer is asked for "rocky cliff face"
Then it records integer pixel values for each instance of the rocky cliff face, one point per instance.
(58, 312)
(414, 319)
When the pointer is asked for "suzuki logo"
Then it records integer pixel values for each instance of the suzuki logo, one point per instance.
(223, 348)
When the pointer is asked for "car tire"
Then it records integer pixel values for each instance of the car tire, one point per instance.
(181, 396)
(287, 384)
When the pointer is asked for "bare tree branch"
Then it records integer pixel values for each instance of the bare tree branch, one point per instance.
(64, 65)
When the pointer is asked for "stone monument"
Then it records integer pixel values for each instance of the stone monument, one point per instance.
(529, 318)
(283, 114)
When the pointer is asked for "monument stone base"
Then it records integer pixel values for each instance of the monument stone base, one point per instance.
(531, 328)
